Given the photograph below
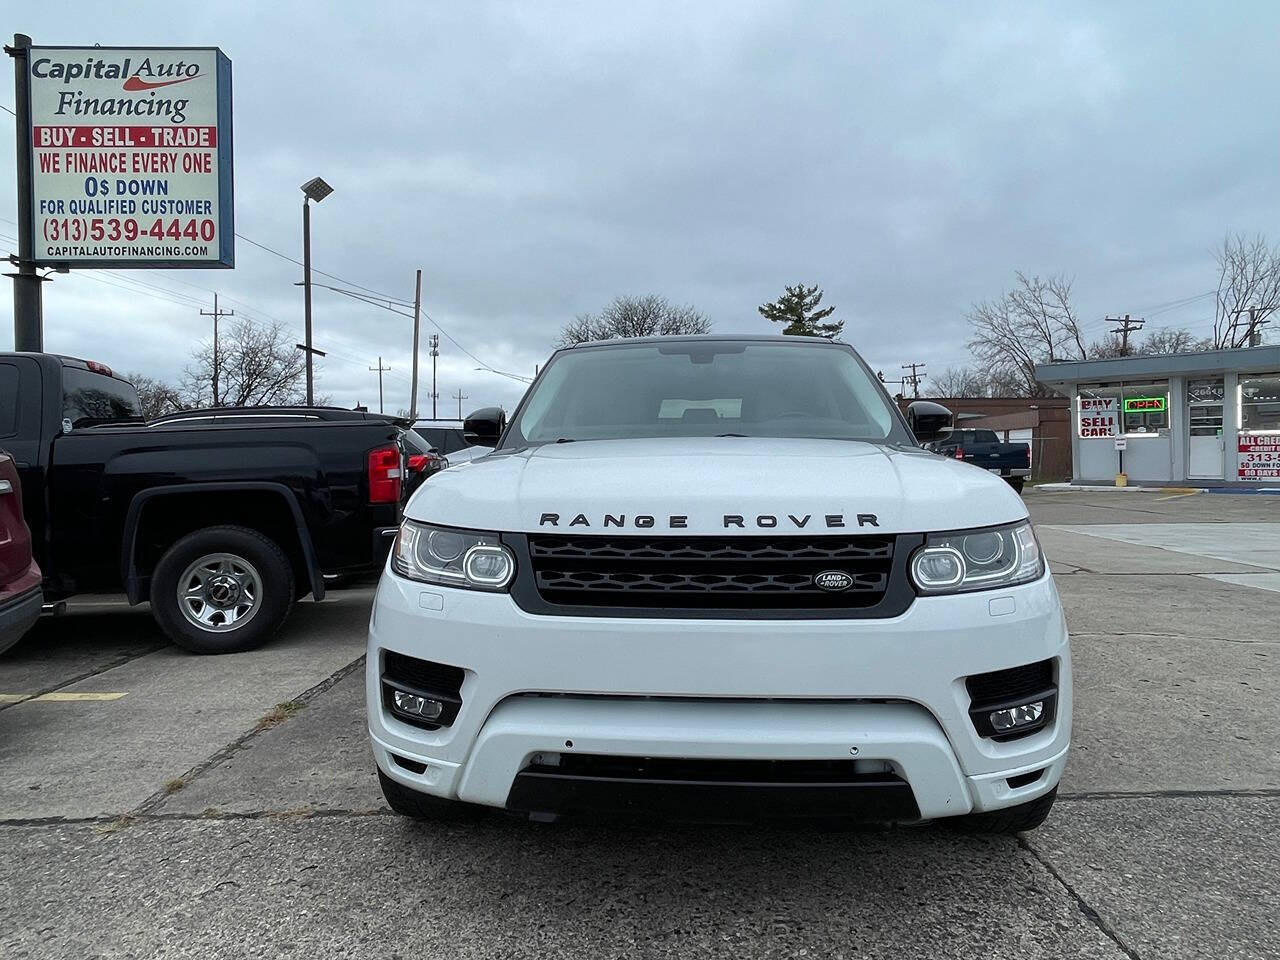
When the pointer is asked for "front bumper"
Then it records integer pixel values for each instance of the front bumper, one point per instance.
(890, 692)
(19, 613)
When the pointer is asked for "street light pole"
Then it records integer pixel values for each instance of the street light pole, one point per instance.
(306, 294)
(314, 189)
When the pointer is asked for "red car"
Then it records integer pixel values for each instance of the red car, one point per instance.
(20, 595)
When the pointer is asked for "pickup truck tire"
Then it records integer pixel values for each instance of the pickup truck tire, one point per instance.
(222, 590)
(1016, 483)
(423, 806)
(1025, 816)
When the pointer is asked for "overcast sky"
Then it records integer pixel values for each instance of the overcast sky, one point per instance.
(537, 159)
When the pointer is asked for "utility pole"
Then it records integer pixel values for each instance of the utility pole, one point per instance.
(460, 396)
(435, 352)
(28, 310)
(1253, 335)
(913, 378)
(381, 369)
(1127, 326)
(417, 314)
(216, 314)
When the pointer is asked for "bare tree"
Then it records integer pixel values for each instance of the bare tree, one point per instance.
(155, 397)
(647, 316)
(1033, 323)
(257, 366)
(958, 382)
(972, 382)
(1173, 340)
(1248, 288)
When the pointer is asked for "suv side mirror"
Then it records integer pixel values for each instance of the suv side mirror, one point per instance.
(928, 420)
(484, 427)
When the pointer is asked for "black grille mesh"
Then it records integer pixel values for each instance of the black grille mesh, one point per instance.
(1001, 686)
(709, 572)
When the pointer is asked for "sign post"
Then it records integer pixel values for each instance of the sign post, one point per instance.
(28, 308)
(124, 161)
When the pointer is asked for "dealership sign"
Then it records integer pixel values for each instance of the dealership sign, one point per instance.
(131, 157)
(1099, 417)
(1258, 456)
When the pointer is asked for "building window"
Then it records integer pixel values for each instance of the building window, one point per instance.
(1124, 409)
(1260, 404)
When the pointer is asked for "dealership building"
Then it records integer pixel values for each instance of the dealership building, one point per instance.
(1193, 419)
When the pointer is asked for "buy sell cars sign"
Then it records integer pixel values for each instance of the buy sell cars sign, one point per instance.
(131, 157)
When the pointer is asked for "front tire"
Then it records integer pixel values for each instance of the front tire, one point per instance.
(423, 806)
(222, 590)
(1025, 816)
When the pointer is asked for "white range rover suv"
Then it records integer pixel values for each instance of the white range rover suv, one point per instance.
(716, 578)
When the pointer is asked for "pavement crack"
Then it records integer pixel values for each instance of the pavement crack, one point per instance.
(1243, 793)
(1089, 912)
(220, 756)
(130, 819)
(96, 671)
(1169, 636)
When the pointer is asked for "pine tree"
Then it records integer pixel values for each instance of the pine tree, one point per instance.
(798, 309)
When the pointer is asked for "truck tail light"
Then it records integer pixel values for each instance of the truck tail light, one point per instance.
(385, 475)
(418, 462)
(959, 453)
(1028, 454)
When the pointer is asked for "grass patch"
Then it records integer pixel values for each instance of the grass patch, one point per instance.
(174, 785)
(119, 823)
(279, 714)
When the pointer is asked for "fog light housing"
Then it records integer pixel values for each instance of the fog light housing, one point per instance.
(1019, 717)
(416, 706)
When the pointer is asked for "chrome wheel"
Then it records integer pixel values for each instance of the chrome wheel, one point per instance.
(219, 592)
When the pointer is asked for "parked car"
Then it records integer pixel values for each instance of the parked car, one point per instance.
(20, 595)
(984, 449)
(219, 519)
(717, 578)
(447, 436)
(421, 461)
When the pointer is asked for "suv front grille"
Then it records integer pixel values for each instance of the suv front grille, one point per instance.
(710, 572)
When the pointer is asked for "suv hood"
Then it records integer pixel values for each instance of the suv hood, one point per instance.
(697, 486)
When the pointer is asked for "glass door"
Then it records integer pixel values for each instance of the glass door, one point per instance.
(1206, 451)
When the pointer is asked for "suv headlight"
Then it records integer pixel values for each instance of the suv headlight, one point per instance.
(977, 559)
(470, 559)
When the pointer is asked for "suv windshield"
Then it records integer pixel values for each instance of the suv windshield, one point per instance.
(705, 388)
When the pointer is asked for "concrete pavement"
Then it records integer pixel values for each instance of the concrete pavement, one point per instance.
(272, 839)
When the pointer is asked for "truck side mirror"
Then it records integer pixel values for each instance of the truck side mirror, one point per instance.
(928, 420)
(484, 427)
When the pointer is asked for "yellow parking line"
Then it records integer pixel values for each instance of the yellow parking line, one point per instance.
(60, 697)
(1177, 496)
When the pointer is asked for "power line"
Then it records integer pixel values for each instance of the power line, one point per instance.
(331, 276)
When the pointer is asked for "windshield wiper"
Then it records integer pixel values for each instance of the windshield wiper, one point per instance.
(718, 435)
(566, 439)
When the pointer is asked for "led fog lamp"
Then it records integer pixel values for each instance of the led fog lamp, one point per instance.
(1012, 718)
(413, 705)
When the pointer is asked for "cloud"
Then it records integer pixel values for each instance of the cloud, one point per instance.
(537, 160)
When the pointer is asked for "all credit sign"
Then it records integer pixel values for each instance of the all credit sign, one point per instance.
(131, 157)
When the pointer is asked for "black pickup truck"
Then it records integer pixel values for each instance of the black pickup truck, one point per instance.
(220, 522)
(984, 449)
